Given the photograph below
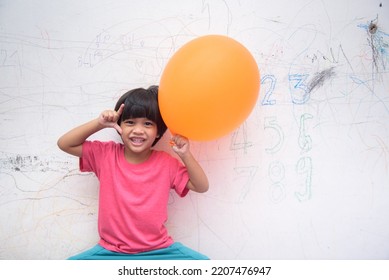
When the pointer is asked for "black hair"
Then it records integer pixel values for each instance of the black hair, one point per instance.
(142, 103)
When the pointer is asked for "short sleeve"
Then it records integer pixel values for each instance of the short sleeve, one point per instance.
(181, 178)
(92, 153)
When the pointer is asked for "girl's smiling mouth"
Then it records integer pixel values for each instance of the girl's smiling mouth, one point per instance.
(137, 140)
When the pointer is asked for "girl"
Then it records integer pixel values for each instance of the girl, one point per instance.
(135, 179)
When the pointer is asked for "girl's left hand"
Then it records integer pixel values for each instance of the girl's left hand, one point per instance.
(180, 144)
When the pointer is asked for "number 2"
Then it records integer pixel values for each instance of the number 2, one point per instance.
(269, 91)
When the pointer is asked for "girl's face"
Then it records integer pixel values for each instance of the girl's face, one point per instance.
(138, 135)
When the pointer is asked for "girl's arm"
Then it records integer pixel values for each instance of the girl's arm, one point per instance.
(71, 142)
(198, 181)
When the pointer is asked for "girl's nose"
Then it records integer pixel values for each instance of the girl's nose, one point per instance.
(138, 129)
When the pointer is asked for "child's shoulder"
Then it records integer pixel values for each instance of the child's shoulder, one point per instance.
(104, 145)
(163, 155)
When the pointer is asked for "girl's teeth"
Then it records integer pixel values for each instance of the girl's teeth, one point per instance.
(137, 140)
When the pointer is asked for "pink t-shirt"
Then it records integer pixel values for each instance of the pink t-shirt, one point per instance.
(133, 198)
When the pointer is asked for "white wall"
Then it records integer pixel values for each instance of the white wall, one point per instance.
(305, 177)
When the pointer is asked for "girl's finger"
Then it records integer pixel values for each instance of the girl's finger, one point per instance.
(121, 108)
(118, 128)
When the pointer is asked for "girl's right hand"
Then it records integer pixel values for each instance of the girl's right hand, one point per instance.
(109, 118)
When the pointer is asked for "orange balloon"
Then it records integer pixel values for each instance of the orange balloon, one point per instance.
(208, 88)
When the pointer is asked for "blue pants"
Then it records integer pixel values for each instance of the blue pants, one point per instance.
(176, 251)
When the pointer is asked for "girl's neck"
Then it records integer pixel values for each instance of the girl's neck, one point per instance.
(137, 158)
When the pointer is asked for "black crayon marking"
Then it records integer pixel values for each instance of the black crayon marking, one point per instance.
(319, 78)
(32, 163)
(378, 43)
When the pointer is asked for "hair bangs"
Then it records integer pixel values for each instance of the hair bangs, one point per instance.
(140, 107)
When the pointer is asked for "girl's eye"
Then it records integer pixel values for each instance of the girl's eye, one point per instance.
(146, 123)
